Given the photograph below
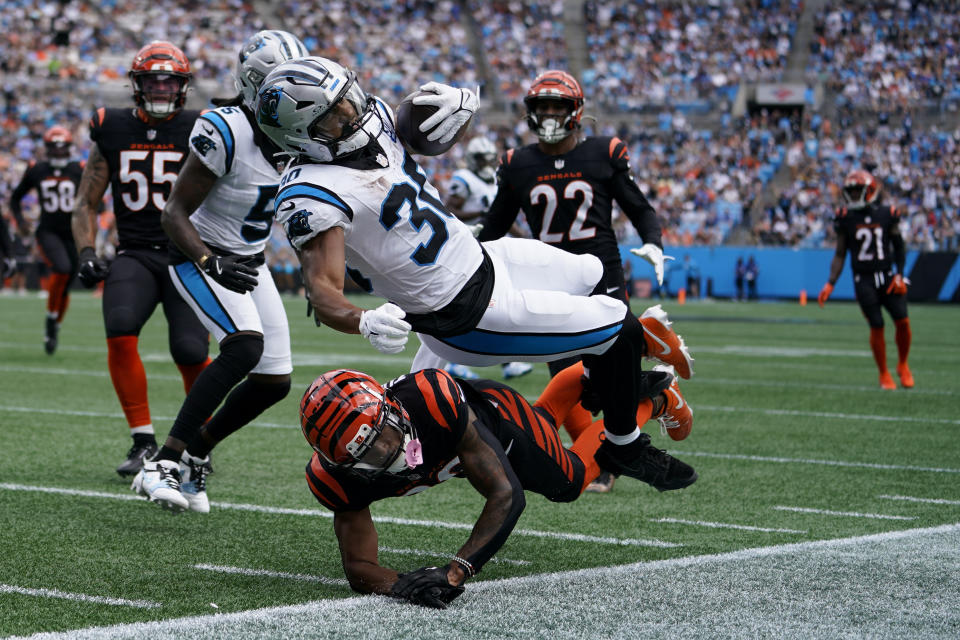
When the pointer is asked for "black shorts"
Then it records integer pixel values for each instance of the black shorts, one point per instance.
(871, 291)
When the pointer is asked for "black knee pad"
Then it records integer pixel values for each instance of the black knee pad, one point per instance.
(121, 321)
(189, 350)
(241, 353)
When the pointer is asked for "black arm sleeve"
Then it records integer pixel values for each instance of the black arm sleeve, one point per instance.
(500, 216)
(518, 503)
(635, 206)
(899, 252)
(6, 247)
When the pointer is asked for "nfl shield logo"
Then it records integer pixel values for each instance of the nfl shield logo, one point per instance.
(868, 220)
(151, 134)
(558, 164)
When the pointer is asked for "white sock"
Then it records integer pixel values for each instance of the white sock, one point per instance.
(624, 439)
(147, 428)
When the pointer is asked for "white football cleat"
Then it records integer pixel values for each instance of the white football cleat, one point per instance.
(461, 371)
(159, 481)
(516, 369)
(193, 481)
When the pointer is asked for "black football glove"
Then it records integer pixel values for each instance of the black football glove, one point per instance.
(231, 272)
(427, 587)
(93, 269)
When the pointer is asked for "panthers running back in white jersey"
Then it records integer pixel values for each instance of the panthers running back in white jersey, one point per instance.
(237, 214)
(399, 237)
(477, 194)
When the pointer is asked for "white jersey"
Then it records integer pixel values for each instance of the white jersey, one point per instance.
(477, 193)
(399, 237)
(238, 212)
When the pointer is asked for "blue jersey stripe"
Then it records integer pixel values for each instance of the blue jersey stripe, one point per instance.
(226, 133)
(529, 344)
(201, 293)
(317, 193)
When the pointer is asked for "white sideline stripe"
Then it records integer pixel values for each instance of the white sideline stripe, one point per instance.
(271, 574)
(926, 500)
(439, 554)
(734, 382)
(852, 514)
(336, 607)
(78, 597)
(730, 556)
(826, 414)
(119, 416)
(832, 463)
(726, 525)
(556, 535)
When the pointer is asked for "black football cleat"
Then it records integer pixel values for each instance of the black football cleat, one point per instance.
(50, 335)
(643, 461)
(139, 452)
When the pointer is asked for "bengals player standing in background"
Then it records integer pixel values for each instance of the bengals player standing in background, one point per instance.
(871, 232)
(566, 187)
(138, 153)
(55, 180)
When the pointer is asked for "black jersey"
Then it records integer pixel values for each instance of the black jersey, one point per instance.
(869, 234)
(568, 199)
(144, 161)
(56, 189)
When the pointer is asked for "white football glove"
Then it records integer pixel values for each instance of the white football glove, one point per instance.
(385, 328)
(654, 255)
(454, 108)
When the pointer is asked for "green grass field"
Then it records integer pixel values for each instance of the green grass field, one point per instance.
(825, 507)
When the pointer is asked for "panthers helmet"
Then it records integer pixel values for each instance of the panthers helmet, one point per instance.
(554, 85)
(299, 94)
(160, 74)
(356, 425)
(860, 189)
(58, 141)
(259, 55)
(482, 158)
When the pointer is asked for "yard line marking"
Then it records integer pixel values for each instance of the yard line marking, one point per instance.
(271, 574)
(438, 554)
(438, 524)
(78, 597)
(119, 415)
(926, 500)
(726, 525)
(832, 463)
(826, 414)
(852, 514)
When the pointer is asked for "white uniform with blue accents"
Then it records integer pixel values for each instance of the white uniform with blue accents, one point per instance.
(401, 239)
(236, 217)
(477, 194)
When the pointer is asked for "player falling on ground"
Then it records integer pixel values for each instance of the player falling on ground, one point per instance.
(219, 216)
(565, 184)
(870, 232)
(355, 196)
(138, 152)
(55, 180)
(373, 442)
(470, 191)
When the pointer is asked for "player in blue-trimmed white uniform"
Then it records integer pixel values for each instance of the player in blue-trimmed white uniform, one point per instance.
(469, 193)
(355, 195)
(219, 216)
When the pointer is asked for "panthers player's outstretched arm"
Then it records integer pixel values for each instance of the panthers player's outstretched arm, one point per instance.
(357, 537)
(189, 191)
(323, 259)
(93, 184)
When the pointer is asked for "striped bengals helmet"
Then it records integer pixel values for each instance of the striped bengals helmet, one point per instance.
(554, 85)
(355, 424)
(860, 189)
(160, 74)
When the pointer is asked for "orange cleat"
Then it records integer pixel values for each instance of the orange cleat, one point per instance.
(676, 417)
(886, 381)
(664, 344)
(906, 378)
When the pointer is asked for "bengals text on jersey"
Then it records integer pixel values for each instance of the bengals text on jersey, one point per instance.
(144, 161)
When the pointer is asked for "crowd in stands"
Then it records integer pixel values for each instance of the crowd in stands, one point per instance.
(890, 55)
(59, 59)
(648, 55)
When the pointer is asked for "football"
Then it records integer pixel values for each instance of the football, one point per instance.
(409, 118)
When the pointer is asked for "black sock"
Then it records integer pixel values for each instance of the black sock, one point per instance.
(143, 439)
(247, 401)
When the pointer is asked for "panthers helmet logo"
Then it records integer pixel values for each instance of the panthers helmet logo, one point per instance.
(268, 111)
